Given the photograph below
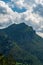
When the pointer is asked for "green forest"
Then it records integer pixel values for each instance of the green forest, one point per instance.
(20, 45)
(9, 60)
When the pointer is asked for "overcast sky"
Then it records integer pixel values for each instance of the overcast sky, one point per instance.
(17, 11)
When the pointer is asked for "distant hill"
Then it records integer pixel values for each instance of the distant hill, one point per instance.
(21, 41)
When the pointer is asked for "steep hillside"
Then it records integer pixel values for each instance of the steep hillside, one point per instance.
(22, 43)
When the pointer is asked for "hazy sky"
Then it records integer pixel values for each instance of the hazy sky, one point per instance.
(17, 11)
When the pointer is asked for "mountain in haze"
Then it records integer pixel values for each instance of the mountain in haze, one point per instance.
(21, 41)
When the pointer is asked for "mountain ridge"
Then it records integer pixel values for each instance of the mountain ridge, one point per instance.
(22, 42)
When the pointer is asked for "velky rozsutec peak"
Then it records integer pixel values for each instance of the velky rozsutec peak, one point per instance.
(21, 41)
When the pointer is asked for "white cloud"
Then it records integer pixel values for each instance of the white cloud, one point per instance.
(29, 17)
(40, 34)
(39, 2)
(19, 3)
(32, 19)
(9, 17)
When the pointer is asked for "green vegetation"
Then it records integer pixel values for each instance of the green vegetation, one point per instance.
(21, 46)
(9, 60)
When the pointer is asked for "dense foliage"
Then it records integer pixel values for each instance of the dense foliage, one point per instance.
(9, 60)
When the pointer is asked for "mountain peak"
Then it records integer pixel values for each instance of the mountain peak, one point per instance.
(20, 40)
